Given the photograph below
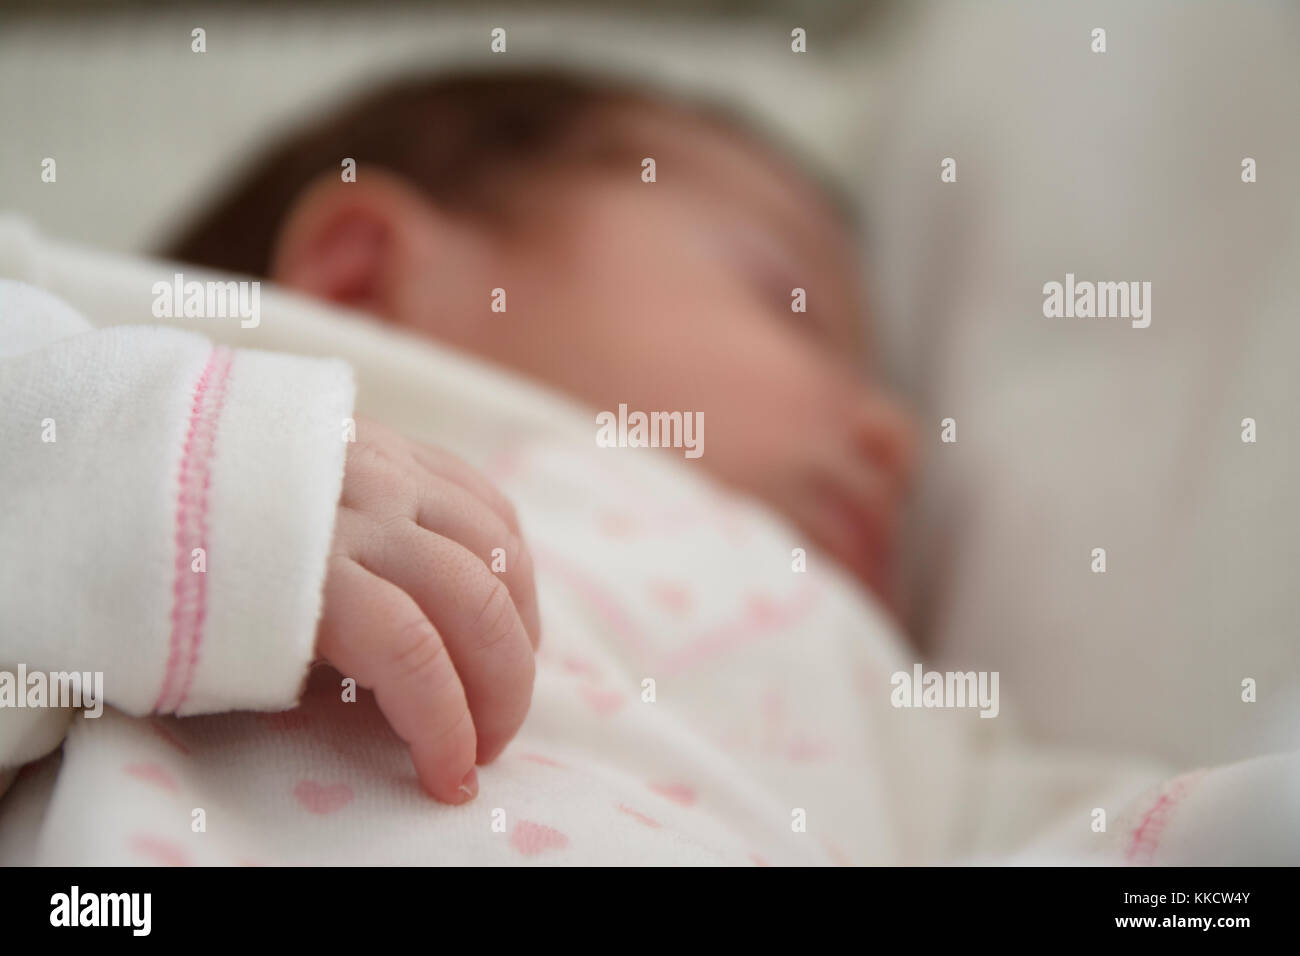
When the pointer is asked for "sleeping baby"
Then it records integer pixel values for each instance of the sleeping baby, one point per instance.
(192, 523)
(629, 252)
(511, 216)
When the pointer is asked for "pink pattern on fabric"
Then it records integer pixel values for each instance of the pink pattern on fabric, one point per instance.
(804, 748)
(640, 817)
(153, 773)
(672, 597)
(581, 667)
(837, 855)
(678, 793)
(322, 799)
(762, 615)
(161, 851)
(604, 600)
(1145, 839)
(544, 761)
(603, 702)
(532, 838)
(189, 588)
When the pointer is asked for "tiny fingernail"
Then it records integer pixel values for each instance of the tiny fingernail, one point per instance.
(469, 786)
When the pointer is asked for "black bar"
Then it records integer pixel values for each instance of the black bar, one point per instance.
(962, 904)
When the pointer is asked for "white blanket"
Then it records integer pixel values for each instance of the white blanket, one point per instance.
(697, 699)
(1078, 433)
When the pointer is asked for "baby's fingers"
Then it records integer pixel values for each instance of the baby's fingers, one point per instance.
(373, 631)
(447, 509)
(473, 611)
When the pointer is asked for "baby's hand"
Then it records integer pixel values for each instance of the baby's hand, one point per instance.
(414, 611)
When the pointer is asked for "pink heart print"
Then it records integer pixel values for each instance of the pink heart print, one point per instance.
(532, 838)
(670, 596)
(321, 799)
(160, 851)
(678, 793)
(153, 773)
(603, 702)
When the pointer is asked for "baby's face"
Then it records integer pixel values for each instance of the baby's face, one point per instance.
(677, 295)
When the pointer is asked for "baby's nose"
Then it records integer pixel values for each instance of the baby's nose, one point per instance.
(888, 436)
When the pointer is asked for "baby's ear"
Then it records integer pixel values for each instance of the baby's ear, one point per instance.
(360, 244)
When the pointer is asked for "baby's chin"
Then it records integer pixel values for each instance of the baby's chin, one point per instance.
(879, 581)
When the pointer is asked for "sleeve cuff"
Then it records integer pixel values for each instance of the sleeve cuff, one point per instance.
(260, 478)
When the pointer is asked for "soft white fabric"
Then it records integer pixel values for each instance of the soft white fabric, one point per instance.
(771, 688)
(1242, 814)
(1075, 434)
(97, 430)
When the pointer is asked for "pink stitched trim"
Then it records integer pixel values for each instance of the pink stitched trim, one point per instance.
(189, 588)
(1146, 837)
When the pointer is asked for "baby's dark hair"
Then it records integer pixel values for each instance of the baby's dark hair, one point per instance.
(451, 136)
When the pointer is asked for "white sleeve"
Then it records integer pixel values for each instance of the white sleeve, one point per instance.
(166, 513)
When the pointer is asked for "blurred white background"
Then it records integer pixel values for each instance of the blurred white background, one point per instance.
(138, 124)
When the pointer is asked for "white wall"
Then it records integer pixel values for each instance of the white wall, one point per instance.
(138, 123)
